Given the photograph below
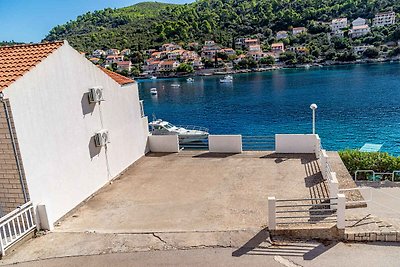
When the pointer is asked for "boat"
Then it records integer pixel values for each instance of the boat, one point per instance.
(175, 85)
(307, 66)
(153, 91)
(186, 134)
(190, 80)
(153, 78)
(226, 79)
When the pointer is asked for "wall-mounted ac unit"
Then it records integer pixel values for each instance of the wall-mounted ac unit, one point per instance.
(96, 94)
(102, 138)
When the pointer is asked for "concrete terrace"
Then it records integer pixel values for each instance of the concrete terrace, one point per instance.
(195, 192)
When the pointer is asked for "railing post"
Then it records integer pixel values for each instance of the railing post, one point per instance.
(341, 215)
(333, 185)
(3, 253)
(272, 213)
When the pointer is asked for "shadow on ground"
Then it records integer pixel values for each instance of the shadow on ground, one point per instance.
(261, 245)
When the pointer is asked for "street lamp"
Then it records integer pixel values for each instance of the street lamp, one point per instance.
(313, 108)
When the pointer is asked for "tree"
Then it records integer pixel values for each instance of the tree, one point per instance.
(269, 60)
(183, 67)
(288, 57)
(371, 52)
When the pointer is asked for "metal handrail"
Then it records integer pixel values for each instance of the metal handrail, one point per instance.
(393, 173)
(305, 199)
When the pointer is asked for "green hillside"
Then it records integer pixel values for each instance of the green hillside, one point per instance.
(148, 24)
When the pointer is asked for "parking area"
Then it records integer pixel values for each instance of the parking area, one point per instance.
(196, 191)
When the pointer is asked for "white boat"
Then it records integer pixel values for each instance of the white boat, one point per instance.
(153, 91)
(175, 85)
(186, 134)
(153, 78)
(307, 66)
(226, 79)
(190, 80)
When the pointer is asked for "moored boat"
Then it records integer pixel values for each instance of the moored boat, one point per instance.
(186, 134)
(226, 79)
(153, 91)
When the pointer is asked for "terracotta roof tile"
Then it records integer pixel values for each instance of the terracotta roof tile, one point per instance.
(122, 80)
(17, 60)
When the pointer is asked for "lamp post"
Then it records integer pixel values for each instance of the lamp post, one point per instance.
(313, 108)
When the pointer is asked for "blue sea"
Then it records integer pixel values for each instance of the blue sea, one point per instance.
(357, 104)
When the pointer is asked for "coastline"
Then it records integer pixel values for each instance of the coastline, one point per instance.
(220, 72)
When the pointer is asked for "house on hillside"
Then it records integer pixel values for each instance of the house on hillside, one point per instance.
(359, 22)
(126, 52)
(383, 19)
(98, 53)
(168, 65)
(68, 128)
(249, 42)
(282, 35)
(298, 30)
(338, 24)
(124, 65)
(170, 47)
(113, 59)
(358, 31)
(112, 52)
(278, 48)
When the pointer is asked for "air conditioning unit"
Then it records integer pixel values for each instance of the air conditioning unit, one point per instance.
(102, 138)
(96, 94)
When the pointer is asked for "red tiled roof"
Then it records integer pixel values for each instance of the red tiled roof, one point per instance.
(122, 80)
(17, 60)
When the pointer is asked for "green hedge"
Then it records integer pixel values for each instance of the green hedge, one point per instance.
(376, 161)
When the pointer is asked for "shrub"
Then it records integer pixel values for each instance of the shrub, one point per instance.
(377, 161)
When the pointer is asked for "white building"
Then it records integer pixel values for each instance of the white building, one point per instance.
(298, 30)
(359, 22)
(358, 31)
(383, 19)
(361, 48)
(98, 53)
(56, 123)
(281, 35)
(338, 24)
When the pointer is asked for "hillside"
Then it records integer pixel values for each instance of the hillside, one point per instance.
(148, 24)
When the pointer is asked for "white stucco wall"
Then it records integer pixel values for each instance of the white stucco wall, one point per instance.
(225, 143)
(164, 143)
(296, 143)
(55, 125)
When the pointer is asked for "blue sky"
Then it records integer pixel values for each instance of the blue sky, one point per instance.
(31, 20)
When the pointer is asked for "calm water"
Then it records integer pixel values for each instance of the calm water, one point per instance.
(356, 104)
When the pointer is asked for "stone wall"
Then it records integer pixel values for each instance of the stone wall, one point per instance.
(11, 192)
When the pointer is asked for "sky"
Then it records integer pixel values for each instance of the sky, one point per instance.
(31, 20)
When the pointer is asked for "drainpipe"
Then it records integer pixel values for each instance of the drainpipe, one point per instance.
(21, 180)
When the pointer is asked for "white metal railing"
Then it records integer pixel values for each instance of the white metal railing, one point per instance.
(377, 176)
(306, 211)
(16, 225)
(258, 143)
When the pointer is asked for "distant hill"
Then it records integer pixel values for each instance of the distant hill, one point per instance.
(147, 25)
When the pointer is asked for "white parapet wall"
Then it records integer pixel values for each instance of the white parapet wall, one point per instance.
(297, 143)
(164, 143)
(225, 143)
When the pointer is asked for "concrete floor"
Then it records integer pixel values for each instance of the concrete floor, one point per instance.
(196, 191)
(382, 212)
(310, 254)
